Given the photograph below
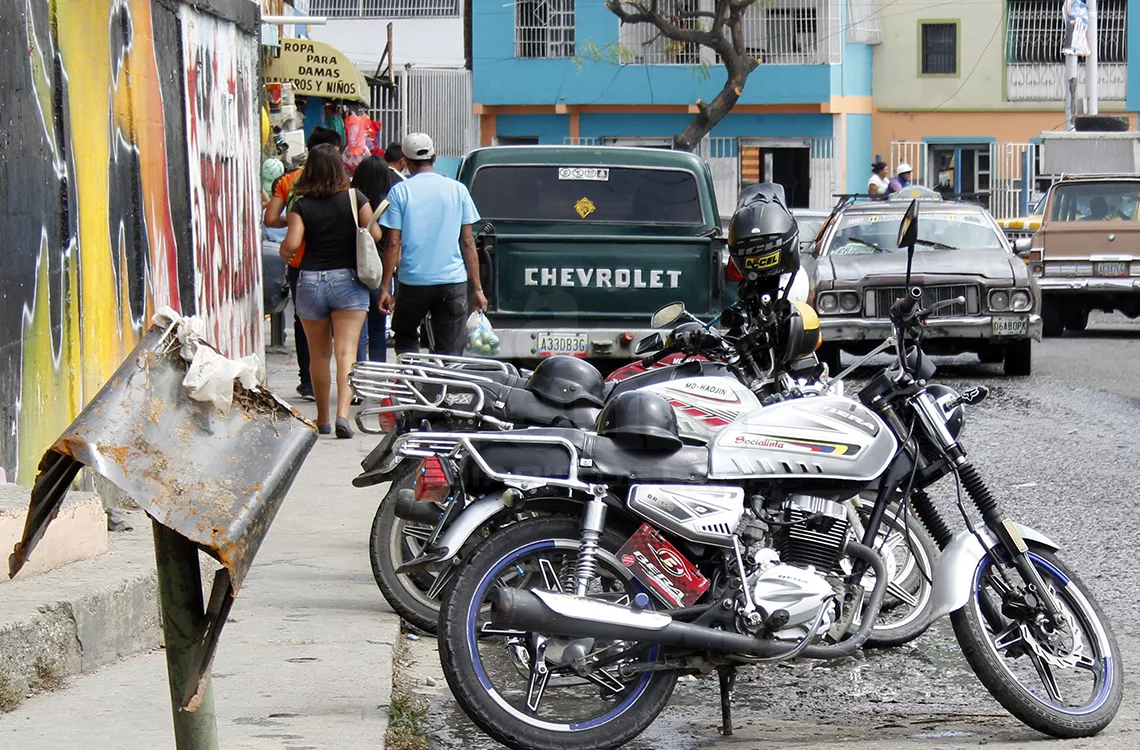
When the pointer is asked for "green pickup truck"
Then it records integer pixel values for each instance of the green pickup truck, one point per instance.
(579, 244)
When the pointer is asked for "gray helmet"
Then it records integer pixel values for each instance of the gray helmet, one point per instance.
(566, 380)
(640, 420)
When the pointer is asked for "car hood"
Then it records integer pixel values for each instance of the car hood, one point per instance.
(929, 267)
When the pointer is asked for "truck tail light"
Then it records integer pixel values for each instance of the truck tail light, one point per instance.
(732, 273)
(387, 419)
(432, 485)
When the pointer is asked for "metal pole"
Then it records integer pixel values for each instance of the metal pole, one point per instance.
(1070, 90)
(183, 613)
(1092, 83)
(1026, 179)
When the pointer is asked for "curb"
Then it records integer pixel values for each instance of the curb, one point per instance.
(79, 617)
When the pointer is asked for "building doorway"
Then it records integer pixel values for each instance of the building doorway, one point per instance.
(786, 161)
(963, 170)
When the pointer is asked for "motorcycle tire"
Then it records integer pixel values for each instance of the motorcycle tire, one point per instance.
(914, 625)
(972, 630)
(464, 669)
(405, 593)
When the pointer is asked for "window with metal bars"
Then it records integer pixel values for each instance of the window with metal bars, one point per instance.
(385, 8)
(544, 28)
(939, 54)
(643, 44)
(1035, 31)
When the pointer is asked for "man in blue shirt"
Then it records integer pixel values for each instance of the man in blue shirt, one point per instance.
(430, 239)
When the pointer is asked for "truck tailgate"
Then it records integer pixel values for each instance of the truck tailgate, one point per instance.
(602, 276)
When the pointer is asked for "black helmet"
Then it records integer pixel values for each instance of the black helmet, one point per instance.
(956, 415)
(680, 332)
(798, 334)
(566, 380)
(763, 236)
(640, 420)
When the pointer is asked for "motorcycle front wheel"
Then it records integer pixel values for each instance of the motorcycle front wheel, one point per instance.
(1064, 681)
(496, 676)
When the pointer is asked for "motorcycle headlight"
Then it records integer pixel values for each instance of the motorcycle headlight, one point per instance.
(828, 303)
(1020, 301)
(954, 414)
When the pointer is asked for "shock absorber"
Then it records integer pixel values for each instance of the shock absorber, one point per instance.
(978, 491)
(592, 526)
(931, 518)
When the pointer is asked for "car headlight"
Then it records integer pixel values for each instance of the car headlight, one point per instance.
(999, 300)
(828, 303)
(1020, 301)
(849, 302)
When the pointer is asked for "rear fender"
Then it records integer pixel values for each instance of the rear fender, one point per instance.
(958, 563)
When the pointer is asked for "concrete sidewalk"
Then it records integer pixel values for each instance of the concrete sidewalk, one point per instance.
(305, 660)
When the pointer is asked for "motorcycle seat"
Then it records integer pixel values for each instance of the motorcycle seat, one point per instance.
(521, 406)
(601, 459)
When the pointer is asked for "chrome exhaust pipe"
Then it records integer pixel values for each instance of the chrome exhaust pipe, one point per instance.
(552, 613)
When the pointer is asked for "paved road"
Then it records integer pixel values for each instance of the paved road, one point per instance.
(1060, 450)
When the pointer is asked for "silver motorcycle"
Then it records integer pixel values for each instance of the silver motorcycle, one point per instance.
(562, 633)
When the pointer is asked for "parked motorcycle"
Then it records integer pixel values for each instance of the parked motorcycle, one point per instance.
(560, 633)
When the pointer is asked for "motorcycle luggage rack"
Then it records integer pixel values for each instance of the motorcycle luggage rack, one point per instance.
(406, 388)
(452, 362)
(426, 444)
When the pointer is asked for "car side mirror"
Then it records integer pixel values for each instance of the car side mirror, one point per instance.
(1022, 245)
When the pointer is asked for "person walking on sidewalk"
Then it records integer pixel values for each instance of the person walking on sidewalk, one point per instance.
(394, 157)
(430, 239)
(280, 200)
(331, 301)
(373, 177)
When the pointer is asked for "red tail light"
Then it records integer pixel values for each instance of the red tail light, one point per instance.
(387, 419)
(432, 485)
(732, 273)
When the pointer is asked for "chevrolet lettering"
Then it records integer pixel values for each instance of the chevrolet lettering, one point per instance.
(603, 278)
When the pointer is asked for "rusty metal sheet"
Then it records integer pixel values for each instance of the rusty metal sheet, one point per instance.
(216, 480)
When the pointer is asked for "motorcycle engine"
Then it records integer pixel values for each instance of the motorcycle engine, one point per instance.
(787, 582)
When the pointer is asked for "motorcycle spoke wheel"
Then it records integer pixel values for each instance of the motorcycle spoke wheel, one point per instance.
(1061, 678)
(530, 690)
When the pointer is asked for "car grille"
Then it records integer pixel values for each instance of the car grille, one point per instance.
(883, 297)
(1013, 235)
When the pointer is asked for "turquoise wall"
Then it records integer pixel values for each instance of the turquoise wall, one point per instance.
(859, 156)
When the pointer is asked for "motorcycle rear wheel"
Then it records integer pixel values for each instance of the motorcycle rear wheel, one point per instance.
(469, 658)
(995, 649)
(390, 545)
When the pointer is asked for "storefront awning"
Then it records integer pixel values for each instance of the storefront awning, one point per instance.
(317, 69)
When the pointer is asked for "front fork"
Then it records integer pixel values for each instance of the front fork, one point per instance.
(1003, 529)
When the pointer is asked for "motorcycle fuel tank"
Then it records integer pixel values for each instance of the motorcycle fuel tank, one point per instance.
(705, 405)
(827, 437)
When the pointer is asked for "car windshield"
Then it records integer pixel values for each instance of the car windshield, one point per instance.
(809, 226)
(938, 230)
(593, 194)
(1096, 201)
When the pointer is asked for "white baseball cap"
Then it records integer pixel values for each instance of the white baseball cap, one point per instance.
(418, 146)
(903, 168)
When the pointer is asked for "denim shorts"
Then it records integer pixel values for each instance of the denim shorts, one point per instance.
(321, 292)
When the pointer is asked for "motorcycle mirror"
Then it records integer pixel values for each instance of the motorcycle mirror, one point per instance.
(649, 344)
(668, 315)
(908, 235)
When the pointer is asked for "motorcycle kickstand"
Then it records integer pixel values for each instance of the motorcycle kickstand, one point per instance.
(727, 683)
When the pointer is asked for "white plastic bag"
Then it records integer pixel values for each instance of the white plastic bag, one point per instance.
(481, 338)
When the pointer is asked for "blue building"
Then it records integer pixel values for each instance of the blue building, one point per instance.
(561, 71)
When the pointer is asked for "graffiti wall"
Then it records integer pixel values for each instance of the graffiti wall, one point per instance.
(99, 223)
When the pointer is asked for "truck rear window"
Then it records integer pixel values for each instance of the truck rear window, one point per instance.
(590, 194)
(1096, 201)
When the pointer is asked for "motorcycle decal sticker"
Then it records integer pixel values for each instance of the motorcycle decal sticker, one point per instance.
(455, 399)
(706, 415)
(777, 442)
(760, 262)
(709, 391)
(662, 568)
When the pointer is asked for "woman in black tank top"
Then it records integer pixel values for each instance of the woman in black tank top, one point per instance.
(331, 301)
